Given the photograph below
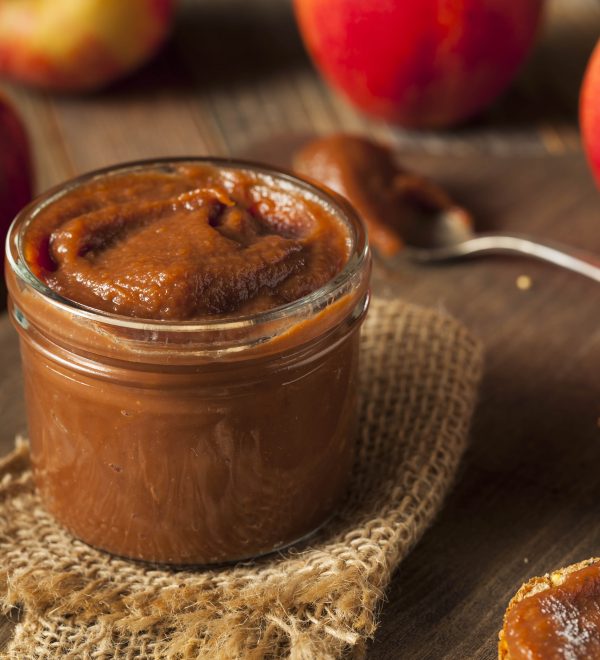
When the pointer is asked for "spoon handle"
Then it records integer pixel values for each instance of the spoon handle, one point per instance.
(559, 255)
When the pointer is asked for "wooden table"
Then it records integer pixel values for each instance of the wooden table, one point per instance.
(527, 498)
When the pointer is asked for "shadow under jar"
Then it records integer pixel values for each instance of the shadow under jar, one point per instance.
(210, 439)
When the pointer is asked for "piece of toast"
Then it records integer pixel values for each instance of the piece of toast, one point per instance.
(534, 586)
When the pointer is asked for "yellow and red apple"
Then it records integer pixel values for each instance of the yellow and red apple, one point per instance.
(72, 45)
(589, 112)
(420, 63)
(15, 167)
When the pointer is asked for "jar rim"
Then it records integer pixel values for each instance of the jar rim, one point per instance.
(331, 290)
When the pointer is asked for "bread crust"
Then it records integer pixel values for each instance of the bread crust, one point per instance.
(534, 586)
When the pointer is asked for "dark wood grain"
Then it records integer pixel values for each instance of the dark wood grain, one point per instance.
(527, 497)
(528, 493)
(12, 407)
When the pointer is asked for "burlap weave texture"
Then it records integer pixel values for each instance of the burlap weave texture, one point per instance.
(419, 376)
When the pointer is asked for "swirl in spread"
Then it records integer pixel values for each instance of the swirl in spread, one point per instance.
(185, 243)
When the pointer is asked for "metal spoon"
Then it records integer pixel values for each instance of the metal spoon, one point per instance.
(447, 236)
(432, 227)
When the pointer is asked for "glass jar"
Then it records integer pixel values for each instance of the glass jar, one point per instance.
(185, 442)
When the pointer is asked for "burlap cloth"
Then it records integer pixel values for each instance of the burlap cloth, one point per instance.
(420, 371)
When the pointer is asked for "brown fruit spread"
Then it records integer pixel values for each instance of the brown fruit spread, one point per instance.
(393, 202)
(184, 244)
(560, 622)
(171, 439)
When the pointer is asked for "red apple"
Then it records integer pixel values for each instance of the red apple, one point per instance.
(589, 112)
(420, 63)
(15, 167)
(79, 44)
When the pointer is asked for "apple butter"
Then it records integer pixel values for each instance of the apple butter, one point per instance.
(562, 621)
(189, 335)
(393, 202)
(184, 244)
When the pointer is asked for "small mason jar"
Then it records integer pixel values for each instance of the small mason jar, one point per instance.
(192, 443)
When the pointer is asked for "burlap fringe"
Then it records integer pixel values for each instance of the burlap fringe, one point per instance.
(419, 377)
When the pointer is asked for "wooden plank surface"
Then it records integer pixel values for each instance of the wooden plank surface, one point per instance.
(527, 495)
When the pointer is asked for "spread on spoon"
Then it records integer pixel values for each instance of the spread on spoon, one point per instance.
(397, 206)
